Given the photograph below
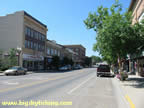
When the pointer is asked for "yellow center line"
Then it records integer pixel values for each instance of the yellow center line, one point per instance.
(34, 83)
(29, 84)
(130, 101)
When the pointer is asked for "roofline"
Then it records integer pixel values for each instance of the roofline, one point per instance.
(131, 5)
(25, 13)
(75, 45)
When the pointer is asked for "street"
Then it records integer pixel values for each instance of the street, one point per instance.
(81, 87)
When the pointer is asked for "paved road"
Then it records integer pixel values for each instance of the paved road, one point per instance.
(81, 87)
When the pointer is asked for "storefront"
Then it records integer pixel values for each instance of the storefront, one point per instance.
(47, 62)
(33, 62)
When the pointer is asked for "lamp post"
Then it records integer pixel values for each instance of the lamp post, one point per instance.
(19, 53)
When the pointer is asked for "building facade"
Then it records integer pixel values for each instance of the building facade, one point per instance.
(21, 30)
(136, 63)
(54, 49)
(137, 8)
(79, 53)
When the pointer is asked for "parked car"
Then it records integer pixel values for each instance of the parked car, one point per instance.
(16, 70)
(64, 68)
(78, 67)
(69, 67)
(103, 70)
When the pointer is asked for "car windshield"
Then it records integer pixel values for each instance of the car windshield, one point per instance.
(104, 66)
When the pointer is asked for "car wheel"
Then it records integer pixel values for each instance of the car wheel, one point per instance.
(16, 73)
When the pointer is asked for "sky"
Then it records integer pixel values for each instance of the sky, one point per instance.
(64, 18)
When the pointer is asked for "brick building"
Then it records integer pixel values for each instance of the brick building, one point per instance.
(80, 51)
(136, 63)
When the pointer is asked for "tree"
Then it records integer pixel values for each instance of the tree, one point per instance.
(55, 62)
(116, 36)
(96, 59)
(12, 58)
(71, 62)
(65, 61)
(88, 61)
(9, 61)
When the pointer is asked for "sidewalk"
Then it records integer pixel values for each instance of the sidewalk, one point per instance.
(133, 87)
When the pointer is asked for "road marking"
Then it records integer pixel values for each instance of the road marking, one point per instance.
(72, 90)
(28, 85)
(10, 83)
(130, 101)
(35, 83)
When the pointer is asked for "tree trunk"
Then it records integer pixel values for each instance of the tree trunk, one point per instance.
(119, 63)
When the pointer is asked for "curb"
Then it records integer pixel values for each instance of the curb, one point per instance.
(126, 97)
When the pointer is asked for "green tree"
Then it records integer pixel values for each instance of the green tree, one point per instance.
(55, 62)
(88, 61)
(65, 61)
(96, 59)
(116, 36)
(12, 58)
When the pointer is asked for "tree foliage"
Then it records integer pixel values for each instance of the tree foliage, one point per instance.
(88, 61)
(116, 36)
(55, 62)
(96, 59)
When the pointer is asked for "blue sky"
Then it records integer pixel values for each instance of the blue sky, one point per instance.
(64, 18)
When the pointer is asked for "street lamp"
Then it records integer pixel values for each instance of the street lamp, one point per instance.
(19, 49)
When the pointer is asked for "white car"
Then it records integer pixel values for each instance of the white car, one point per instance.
(16, 70)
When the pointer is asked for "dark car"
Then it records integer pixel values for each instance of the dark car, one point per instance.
(103, 70)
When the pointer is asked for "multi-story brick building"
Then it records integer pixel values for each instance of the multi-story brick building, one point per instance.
(137, 8)
(137, 61)
(80, 51)
(54, 49)
(21, 30)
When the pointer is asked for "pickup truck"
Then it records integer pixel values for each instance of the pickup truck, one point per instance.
(103, 70)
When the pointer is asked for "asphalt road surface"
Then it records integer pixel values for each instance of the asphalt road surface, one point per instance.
(73, 89)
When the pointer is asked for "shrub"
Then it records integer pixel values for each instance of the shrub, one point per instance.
(123, 76)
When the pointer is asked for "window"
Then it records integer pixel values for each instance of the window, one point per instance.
(26, 31)
(39, 47)
(43, 47)
(141, 17)
(39, 36)
(26, 43)
(77, 49)
(29, 30)
(36, 35)
(48, 51)
(55, 52)
(52, 51)
(32, 33)
(31, 44)
(35, 46)
(58, 53)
